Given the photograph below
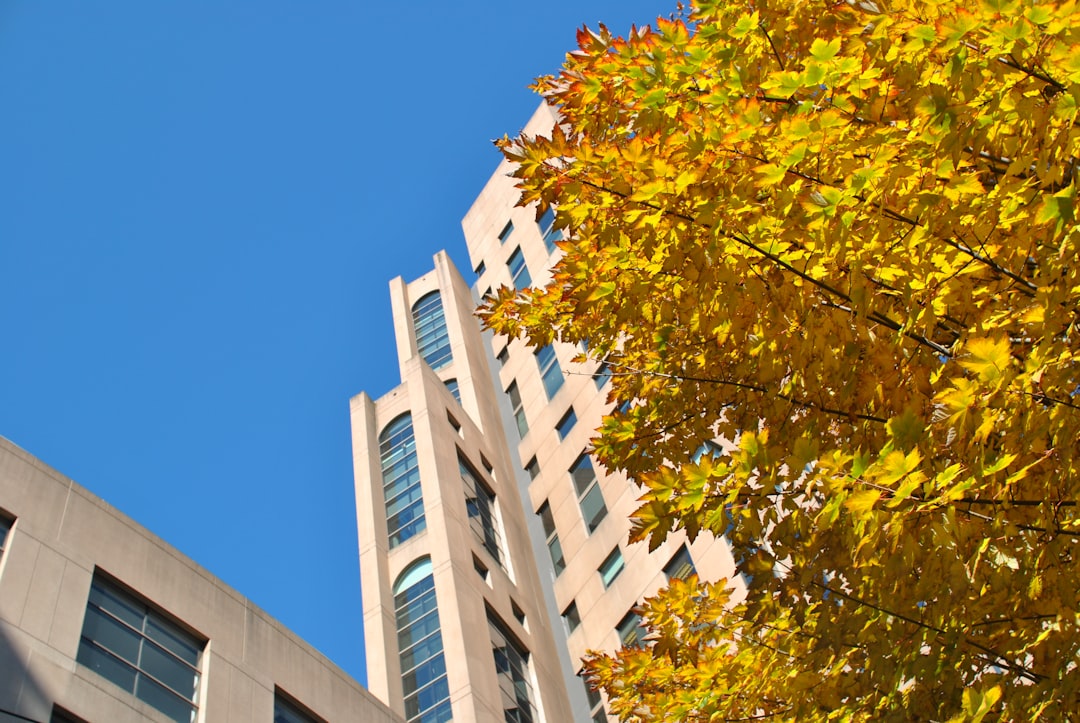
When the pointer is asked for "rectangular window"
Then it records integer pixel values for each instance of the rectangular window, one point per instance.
(289, 711)
(519, 410)
(596, 705)
(480, 269)
(571, 617)
(5, 529)
(631, 631)
(550, 372)
(503, 356)
(546, 224)
(138, 649)
(681, 566)
(59, 715)
(611, 567)
(519, 272)
(512, 667)
(553, 544)
(533, 468)
(505, 233)
(602, 375)
(480, 505)
(566, 423)
(589, 495)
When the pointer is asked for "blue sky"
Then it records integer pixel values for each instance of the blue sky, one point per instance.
(201, 204)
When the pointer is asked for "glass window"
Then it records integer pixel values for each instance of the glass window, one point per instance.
(285, 711)
(681, 566)
(505, 233)
(480, 504)
(533, 468)
(455, 392)
(631, 631)
(596, 704)
(512, 667)
(423, 666)
(602, 375)
(5, 530)
(566, 423)
(611, 567)
(588, 491)
(432, 339)
(571, 617)
(550, 372)
(519, 614)
(519, 272)
(136, 648)
(480, 269)
(503, 356)
(519, 409)
(546, 223)
(401, 481)
(553, 544)
(59, 715)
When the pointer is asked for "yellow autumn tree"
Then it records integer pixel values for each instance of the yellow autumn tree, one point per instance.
(841, 237)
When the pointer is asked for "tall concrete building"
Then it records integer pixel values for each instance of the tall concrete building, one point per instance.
(493, 549)
(103, 622)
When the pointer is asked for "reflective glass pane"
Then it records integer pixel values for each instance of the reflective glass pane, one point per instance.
(593, 508)
(112, 635)
(171, 705)
(106, 666)
(173, 639)
(167, 669)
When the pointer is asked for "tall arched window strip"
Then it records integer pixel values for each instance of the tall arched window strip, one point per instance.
(423, 667)
(401, 481)
(432, 340)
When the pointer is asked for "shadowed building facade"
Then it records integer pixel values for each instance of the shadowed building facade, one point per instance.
(103, 622)
(519, 535)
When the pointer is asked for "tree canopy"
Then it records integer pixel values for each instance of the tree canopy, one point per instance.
(842, 237)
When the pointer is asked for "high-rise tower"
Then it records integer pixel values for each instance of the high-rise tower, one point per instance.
(493, 549)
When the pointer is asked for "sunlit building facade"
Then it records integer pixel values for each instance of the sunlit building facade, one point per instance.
(493, 549)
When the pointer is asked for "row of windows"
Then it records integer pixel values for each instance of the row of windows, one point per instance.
(423, 663)
(145, 652)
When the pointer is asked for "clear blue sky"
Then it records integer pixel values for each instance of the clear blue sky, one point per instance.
(201, 204)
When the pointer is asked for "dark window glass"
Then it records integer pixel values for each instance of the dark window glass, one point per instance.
(432, 339)
(553, 544)
(480, 505)
(680, 566)
(546, 223)
(602, 375)
(631, 632)
(505, 233)
(5, 530)
(512, 667)
(571, 617)
(566, 423)
(611, 567)
(588, 491)
(286, 711)
(127, 643)
(401, 481)
(519, 272)
(596, 704)
(550, 372)
(519, 409)
(455, 392)
(533, 468)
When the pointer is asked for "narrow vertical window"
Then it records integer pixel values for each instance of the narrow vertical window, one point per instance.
(519, 410)
(533, 468)
(596, 705)
(512, 667)
(505, 233)
(589, 495)
(423, 666)
(564, 425)
(553, 544)
(138, 649)
(288, 711)
(401, 481)
(480, 504)
(571, 618)
(550, 372)
(611, 567)
(455, 391)
(5, 530)
(631, 631)
(602, 375)
(519, 272)
(432, 339)
(546, 224)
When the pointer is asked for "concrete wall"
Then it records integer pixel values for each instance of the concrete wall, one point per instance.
(62, 535)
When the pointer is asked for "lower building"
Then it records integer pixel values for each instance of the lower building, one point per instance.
(103, 622)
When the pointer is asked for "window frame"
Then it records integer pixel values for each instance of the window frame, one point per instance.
(518, 408)
(547, 521)
(431, 332)
(566, 423)
(550, 372)
(399, 461)
(611, 567)
(483, 501)
(517, 259)
(586, 490)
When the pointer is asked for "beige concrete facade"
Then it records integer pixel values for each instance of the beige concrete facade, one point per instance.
(62, 541)
(530, 472)
(472, 585)
(599, 607)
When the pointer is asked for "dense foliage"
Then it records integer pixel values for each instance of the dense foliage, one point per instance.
(841, 236)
